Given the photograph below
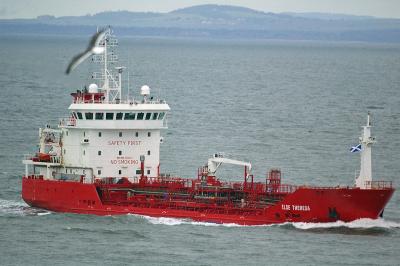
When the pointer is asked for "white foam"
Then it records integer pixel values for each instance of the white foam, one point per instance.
(178, 221)
(12, 207)
(19, 208)
(43, 213)
(361, 223)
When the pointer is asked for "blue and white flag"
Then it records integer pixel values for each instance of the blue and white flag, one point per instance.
(356, 148)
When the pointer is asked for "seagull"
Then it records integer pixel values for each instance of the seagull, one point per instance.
(93, 48)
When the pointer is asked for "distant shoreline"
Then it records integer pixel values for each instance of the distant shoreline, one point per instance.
(217, 22)
(368, 36)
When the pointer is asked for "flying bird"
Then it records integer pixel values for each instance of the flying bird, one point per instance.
(93, 48)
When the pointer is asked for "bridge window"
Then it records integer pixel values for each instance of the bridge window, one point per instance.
(79, 115)
(161, 116)
(119, 116)
(140, 116)
(155, 116)
(109, 116)
(89, 116)
(129, 116)
(99, 116)
(148, 115)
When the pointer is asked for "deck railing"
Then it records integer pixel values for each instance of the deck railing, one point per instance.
(379, 184)
(35, 158)
(118, 101)
(68, 121)
(281, 189)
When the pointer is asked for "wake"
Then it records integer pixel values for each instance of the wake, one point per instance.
(357, 224)
(19, 208)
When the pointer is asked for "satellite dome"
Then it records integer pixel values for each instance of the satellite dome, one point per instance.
(93, 88)
(145, 90)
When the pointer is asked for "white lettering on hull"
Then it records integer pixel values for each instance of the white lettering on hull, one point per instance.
(288, 207)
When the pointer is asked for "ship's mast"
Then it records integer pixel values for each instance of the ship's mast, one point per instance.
(112, 83)
(106, 82)
(366, 141)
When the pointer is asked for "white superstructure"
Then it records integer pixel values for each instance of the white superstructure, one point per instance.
(105, 135)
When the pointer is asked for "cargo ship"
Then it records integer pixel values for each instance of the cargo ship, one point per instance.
(104, 159)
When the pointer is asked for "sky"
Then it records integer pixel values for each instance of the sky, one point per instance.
(34, 8)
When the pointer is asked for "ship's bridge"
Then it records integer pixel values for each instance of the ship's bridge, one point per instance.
(107, 137)
(132, 115)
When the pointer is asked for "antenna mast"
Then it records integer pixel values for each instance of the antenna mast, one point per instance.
(111, 81)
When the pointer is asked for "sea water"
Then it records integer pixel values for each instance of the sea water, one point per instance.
(294, 105)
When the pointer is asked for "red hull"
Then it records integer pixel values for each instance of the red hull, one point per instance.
(303, 205)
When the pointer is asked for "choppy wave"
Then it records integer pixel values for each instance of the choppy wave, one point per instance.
(11, 207)
(357, 224)
(178, 221)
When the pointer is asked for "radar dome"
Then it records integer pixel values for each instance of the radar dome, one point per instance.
(145, 90)
(93, 88)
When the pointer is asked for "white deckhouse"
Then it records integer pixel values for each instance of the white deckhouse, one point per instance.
(105, 135)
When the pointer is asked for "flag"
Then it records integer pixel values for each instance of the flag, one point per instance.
(356, 148)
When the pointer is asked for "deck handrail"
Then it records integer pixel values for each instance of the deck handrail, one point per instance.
(379, 184)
